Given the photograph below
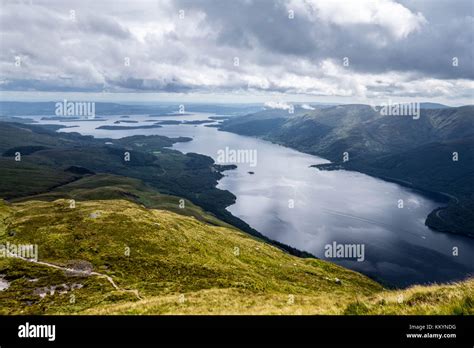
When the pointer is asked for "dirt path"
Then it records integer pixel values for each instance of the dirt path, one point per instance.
(78, 272)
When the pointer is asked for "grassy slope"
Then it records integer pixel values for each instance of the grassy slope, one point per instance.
(108, 186)
(181, 265)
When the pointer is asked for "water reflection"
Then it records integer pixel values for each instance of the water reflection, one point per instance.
(304, 207)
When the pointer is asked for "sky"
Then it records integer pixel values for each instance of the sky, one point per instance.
(238, 50)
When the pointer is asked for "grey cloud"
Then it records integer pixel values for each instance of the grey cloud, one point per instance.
(133, 84)
(103, 26)
(277, 54)
(448, 33)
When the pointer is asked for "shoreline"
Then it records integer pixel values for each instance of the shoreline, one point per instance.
(440, 197)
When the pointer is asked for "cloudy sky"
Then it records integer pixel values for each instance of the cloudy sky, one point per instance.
(247, 50)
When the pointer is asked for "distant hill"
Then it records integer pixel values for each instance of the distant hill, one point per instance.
(9, 108)
(433, 106)
(415, 152)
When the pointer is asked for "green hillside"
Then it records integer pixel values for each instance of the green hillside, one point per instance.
(165, 263)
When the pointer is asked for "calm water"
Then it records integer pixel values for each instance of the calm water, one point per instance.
(307, 208)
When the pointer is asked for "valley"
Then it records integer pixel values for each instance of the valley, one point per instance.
(164, 173)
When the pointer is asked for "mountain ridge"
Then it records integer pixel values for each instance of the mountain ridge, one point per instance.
(419, 152)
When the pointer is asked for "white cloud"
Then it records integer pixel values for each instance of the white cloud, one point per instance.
(394, 17)
(277, 105)
(307, 107)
